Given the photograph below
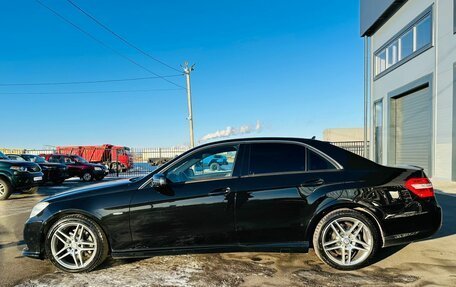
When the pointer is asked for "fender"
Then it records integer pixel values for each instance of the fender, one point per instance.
(325, 206)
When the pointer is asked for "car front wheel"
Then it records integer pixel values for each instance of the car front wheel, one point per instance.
(76, 243)
(5, 189)
(346, 239)
(87, 176)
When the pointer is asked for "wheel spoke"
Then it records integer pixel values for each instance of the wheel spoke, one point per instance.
(358, 230)
(64, 255)
(349, 256)
(331, 242)
(364, 244)
(343, 255)
(333, 248)
(350, 231)
(75, 259)
(60, 238)
(76, 231)
(359, 248)
(80, 258)
(334, 229)
(342, 230)
(61, 250)
(87, 249)
(63, 234)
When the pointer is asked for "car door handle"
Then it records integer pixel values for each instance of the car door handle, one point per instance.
(220, 191)
(313, 182)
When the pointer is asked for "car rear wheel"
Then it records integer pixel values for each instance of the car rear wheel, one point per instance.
(346, 239)
(76, 243)
(87, 176)
(5, 189)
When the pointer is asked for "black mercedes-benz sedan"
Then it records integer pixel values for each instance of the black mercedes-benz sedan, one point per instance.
(271, 194)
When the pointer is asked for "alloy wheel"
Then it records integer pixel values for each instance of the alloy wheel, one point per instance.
(73, 245)
(347, 241)
(2, 189)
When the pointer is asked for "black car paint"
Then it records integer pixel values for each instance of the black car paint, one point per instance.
(51, 171)
(245, 212)
(19, 180)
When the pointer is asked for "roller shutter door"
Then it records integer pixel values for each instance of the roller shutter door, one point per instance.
(414, 129)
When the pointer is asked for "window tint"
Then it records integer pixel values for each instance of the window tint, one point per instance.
(423, 33)
(276, 157)
(208, 164)
(54, 159)
(317, 162)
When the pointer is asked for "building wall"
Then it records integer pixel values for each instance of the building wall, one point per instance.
(343, 134)
(424, 66)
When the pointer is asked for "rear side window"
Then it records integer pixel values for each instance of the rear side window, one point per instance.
(317, 162)
(276, 157)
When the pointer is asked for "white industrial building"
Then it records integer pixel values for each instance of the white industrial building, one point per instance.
(410, 49)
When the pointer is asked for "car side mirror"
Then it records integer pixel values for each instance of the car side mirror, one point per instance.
(159, 180)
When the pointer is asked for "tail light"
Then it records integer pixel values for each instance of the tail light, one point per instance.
(421, 186)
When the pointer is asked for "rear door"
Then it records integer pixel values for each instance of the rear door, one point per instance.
(272, 199)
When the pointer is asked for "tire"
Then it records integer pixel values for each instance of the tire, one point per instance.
(62, 238)
(214, 166)
(31, 190)
(5, 189)
(87, 176)
(350, 249)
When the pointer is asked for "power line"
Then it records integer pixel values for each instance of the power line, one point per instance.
(85, 82)
(104, 44)
(87, 92)
(118, 36)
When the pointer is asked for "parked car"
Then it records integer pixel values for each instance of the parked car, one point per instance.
(79, 167)
(18, 176)
(214, 162)
(281, 194)
(54, 172)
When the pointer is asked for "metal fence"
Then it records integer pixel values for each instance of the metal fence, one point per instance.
(356, 147)
(146, 160)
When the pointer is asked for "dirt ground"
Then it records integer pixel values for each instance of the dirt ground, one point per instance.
(430, 262)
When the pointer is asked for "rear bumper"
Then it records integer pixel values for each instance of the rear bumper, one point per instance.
(411, 228)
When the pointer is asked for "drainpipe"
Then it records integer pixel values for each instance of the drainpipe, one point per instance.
(366, 92)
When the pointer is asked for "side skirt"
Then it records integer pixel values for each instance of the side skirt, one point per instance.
(291, 247)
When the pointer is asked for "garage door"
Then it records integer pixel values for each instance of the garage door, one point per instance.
(414, 129)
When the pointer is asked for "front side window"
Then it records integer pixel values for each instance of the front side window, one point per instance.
(276, 158)
(213, 163)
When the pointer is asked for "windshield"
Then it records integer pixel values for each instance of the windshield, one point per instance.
(2, 156)
(34, 158)
(80, 159)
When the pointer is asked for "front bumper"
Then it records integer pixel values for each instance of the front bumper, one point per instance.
(56, 175)
(411, 228)
(25, 180)
(33, 235)
(100, 173)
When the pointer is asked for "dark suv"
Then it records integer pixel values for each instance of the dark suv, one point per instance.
(18, 176)
(54, 172)
(78, 166)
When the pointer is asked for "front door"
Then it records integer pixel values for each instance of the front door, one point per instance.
(194, 209)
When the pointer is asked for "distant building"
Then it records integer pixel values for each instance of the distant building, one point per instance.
(343, 134)
(412, 63)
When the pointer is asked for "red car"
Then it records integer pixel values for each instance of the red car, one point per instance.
(78, 166)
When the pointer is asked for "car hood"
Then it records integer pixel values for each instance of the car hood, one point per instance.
(90, 190)
(18, 162)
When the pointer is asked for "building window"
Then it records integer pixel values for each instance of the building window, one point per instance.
(378, 131)
(410, 42)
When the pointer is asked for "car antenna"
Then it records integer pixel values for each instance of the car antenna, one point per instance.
(313, 138)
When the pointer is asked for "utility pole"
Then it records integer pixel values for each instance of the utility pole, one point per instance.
(187, 71)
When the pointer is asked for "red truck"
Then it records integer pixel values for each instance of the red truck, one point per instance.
(114, 157)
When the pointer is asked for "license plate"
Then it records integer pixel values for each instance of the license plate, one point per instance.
(37, 178)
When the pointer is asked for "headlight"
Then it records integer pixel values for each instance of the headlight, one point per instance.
(18, 168)
(97, 168)
(38, 208)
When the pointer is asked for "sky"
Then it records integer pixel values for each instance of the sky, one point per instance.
(262, 68)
